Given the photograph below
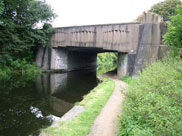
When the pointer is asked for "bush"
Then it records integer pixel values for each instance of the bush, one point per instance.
(153, 101)
(19, 68)
(173, 37)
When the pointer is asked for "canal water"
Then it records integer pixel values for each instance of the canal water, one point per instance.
(26, 105)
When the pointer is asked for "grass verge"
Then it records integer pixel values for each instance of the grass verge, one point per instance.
(153, 101)
(93, 103)
(126, 79)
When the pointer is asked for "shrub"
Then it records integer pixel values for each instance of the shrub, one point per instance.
(173, 37)
(153, 101)
(19, 68)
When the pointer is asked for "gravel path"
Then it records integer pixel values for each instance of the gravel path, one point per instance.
(106, 123)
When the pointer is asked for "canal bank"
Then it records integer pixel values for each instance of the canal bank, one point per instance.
(93, 103)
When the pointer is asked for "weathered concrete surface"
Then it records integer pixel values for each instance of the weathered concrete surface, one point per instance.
(163, 49)
(75, 48)
(46, 58)
(122, 68)
(39, 56)
(75, 111)
(149, 43)
(65, 59)
(61, 59)
(43, 57)
(118, 37)
(125, 64)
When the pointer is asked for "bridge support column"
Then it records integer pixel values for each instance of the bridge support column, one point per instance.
(59, 59)
(122, 69)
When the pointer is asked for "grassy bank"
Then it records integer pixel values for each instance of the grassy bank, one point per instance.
(93, 103)
(153, 102)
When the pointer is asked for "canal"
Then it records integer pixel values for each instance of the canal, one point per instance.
(26, 105)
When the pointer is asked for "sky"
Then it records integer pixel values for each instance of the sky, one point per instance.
(87, 12)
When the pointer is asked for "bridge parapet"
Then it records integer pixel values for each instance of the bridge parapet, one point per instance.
(117, 37)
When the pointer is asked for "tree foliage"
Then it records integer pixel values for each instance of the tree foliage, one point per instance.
(106, 62)
(166, 8)
(1, 7)
(173, 37)
(19, 36)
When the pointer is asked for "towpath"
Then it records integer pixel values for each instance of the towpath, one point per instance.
(106, 123)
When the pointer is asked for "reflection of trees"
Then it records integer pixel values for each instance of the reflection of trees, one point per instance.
(16, 82)
(17, 119)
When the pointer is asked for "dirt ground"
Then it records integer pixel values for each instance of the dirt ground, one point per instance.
(106, 123)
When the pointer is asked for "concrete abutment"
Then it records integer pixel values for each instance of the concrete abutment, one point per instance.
(125, 64)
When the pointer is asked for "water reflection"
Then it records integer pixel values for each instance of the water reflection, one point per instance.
(26, 109)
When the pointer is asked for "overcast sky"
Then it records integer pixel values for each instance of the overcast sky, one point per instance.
(85, 12)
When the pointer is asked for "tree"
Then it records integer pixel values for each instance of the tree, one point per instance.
(1, 7)
(166, 9)
(173, 37)
(18, 35)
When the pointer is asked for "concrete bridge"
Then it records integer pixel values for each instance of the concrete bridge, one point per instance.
(76, 48)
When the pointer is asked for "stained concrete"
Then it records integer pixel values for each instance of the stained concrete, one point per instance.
(46, 59)
(122, 68)
(76, 48)
(121, 37)
(61, 59)
(69, 60)
(75, 111)
(163, 49)
(39, 56)
(148, 48)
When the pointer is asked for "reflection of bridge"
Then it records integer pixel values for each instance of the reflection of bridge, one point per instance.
(62, 90)
(74, 48)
